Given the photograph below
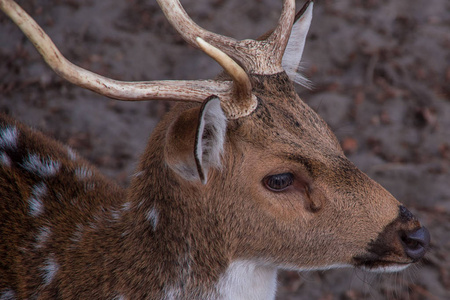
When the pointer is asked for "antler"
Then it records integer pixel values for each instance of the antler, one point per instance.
(257, 57)
(260, 57)
(195, 90)
(244, 102)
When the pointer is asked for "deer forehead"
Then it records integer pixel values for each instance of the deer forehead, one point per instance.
(283, 125)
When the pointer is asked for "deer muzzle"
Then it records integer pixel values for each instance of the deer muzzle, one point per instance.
(402, 242)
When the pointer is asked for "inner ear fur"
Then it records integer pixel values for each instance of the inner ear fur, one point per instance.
(195, 141)
(294, 49)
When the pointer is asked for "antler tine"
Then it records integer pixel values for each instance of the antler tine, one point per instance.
(277, 41)
(189, 30)
(193, 90)
(258, 57)
(243, 101)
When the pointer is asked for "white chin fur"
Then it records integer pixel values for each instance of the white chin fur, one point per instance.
(383, 269)
(386, 269)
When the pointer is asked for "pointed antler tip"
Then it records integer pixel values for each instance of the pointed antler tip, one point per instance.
(201, 42)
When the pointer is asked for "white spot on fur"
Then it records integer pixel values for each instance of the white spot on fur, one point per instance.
(171, 293)
(247, 280)
(115, 214)
(72, 155)
(78, 234)
(50, 269)
(92, 225)
(294, 49)
(35, 201)
(153, 217)
(211, 137)
(7, 294)
(42, 236)
(4, 159)
(83, 173)
(141, 203)
(36, 207)
(41, 166)
(9, 137)
(119, 297)
(89, 186)
(126, 206)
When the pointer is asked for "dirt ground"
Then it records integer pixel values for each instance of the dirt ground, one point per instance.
(381, 75)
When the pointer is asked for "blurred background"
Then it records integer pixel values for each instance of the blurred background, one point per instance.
(381, 79)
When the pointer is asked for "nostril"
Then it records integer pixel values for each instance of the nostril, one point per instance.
(416, 242)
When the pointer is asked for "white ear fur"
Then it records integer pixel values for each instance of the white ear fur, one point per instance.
(210, 137)
(294, 49)
(195, 141)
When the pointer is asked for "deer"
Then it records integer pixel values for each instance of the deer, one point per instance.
(239, 180)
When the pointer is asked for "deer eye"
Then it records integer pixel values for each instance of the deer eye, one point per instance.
(278, 182)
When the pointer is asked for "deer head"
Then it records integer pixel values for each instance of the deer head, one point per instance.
(241, 178)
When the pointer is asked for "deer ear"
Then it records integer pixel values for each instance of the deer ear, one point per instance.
(294, 49)
(195, 141)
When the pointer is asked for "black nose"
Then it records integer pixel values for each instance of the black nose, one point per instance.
(416, 243)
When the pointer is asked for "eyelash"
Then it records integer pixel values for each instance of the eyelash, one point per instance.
(278, 182)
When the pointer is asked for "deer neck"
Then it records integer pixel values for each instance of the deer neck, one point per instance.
(166, 233)
(245, 279)
(172, 222)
